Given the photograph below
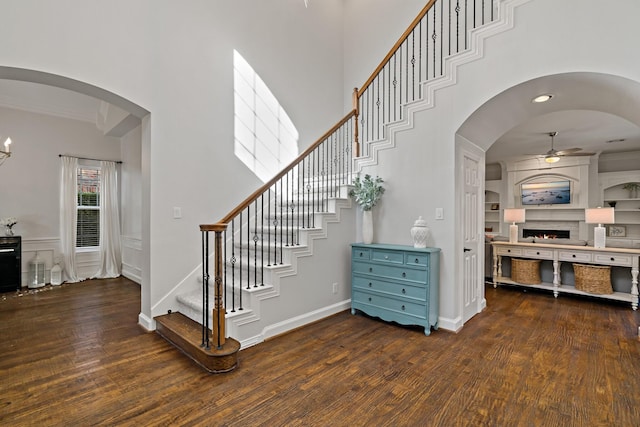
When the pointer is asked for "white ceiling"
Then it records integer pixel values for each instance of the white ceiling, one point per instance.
(586, 129)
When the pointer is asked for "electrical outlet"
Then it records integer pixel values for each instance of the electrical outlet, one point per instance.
(335, 288)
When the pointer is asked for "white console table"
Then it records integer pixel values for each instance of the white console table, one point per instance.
(568, 253)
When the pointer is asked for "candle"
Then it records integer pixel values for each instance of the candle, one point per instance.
(7, 143)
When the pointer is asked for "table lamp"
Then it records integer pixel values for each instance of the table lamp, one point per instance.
(513, 216)
(599, 216)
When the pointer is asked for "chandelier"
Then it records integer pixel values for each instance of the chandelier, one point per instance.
(6, 152)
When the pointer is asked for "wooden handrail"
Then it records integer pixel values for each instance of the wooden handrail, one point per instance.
(222, 224)
(396, 46)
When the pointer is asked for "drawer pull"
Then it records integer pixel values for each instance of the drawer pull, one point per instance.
(404, 291)
(404, 274)
(369, 284)
(386, 257)
(537, 253)
(403, 307)
(417, 261)
(361, 254)
(613, 259)
(509, 250)
(370, 269)
(574, 255)
(369, 299)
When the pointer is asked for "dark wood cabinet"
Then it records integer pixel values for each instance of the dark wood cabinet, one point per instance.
(10, 263)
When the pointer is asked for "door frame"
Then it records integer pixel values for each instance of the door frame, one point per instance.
(465, 148)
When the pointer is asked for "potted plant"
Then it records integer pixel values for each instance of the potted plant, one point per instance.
(633, 189)
(367, 192)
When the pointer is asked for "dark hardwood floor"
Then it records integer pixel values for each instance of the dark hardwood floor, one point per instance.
(74, 356)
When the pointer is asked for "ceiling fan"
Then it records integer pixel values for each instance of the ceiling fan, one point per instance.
(553, 155)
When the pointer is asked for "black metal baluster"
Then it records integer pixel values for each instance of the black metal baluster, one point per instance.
(449, 26)
(282, 195)
(287, 208)
(234, 260)
(269, 196)
(395, 86)
(255, 243)
(262, 239)
(466, 23)
(413, 66)
(441, 37)
(434, 38)
(205, 287)
(474, 14)
(482, 12)
(299, 188)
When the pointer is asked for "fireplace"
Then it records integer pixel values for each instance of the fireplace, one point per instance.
(547, 234)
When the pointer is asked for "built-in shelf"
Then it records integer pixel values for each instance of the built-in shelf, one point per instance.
(492, 219)
(627, 208)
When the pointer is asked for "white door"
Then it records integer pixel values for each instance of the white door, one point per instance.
(472, 285)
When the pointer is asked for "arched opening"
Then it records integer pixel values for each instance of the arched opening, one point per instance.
(508, 135)
(130, 122)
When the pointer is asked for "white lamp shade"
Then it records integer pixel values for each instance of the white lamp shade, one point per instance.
(599, 216)
(514, 215)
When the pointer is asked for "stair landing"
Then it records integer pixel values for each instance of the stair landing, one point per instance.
(186, 335)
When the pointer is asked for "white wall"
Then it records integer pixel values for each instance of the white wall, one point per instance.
(30, 178)
(174, 59)
(371, 28)
(425, 154)
(131, 204)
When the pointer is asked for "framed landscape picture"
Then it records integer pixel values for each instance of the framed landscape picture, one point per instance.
(616, 231)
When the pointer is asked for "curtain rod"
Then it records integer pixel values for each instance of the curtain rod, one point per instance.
(87, 158)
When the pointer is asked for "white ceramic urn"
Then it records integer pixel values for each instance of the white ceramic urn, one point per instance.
(420, 233)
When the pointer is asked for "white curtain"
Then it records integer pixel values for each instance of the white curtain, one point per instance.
(69, 216)
(110, 253)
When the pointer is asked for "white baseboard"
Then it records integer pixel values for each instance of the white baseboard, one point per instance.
(146, 322)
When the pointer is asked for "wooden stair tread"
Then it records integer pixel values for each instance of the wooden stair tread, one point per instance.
(186, 335)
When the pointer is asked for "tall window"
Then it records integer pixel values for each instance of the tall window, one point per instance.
(88, 227)
(265, 138)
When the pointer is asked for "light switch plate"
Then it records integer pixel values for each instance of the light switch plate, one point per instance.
(439, 213)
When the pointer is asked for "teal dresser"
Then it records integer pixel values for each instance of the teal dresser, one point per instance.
(396, 283)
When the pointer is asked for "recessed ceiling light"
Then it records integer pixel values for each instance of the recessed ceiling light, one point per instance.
(542, 98)
(611, 141)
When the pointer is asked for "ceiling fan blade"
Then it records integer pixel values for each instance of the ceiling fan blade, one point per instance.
(567, 151)
(576, 154)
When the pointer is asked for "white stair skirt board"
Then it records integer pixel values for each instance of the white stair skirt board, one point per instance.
(246, 325)
(503, 22)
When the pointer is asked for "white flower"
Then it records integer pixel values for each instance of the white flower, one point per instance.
(9, 222)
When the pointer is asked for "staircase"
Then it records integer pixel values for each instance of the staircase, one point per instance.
(243, 319)
(263, 299)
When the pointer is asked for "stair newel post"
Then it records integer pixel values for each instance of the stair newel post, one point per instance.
(205, 289)
(356, 107)
(219, 311)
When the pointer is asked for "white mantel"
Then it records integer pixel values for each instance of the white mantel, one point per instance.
(578, 170)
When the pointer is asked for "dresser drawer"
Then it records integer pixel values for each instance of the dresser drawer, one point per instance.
(538, 253)
(574, 256)
(613, 259)
(420, 260)
(360, 254)
(509, 251)
(391, 257)
(390, 288)
(394, 272)
(391, 304)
